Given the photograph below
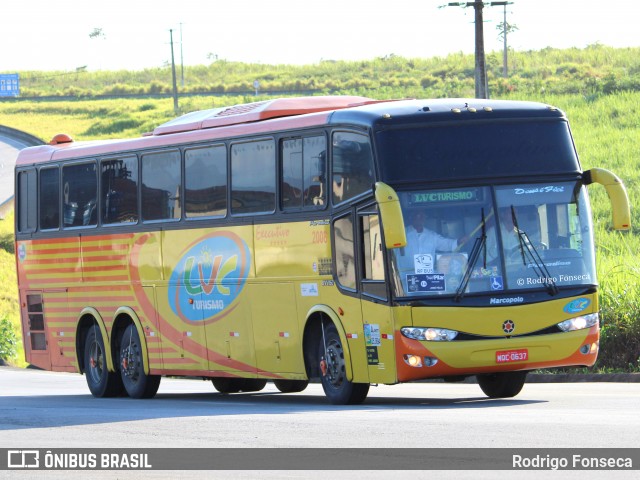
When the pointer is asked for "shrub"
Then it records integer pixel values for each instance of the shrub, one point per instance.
(8, 340)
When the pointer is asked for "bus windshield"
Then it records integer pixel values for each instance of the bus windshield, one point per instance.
(494, 239)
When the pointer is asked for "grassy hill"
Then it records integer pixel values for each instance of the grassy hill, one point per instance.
(595, 69)
(598, 87)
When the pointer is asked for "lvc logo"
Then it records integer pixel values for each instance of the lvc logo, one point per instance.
(209, 277)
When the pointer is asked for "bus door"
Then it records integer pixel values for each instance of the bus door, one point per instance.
(359, 271)
(377, 316)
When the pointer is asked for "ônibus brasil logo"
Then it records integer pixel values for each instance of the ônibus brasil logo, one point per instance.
(209, 278)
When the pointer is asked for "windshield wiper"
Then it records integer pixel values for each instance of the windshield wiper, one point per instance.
(479, 245)
(537, 263)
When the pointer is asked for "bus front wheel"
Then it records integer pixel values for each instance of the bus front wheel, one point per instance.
(503, 384)
(101, 382)
(137, 383)
(337, 388)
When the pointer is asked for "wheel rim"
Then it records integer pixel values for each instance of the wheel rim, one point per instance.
(335, 375)
(96, 362)
(130, 361)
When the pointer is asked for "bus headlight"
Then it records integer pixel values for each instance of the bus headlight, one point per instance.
(578, 323)
(429, 334)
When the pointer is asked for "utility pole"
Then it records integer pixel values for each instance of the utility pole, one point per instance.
(173, 75)
(505, 29)
(182, 57)
(480, 70)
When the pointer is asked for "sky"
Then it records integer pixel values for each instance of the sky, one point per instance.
(56, 34)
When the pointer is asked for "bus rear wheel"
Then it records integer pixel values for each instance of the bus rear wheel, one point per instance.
(291, 386)
(338, 389)
(503, 384)
(137, 383)
(102, 383)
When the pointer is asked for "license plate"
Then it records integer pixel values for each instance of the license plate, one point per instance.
(506, 356)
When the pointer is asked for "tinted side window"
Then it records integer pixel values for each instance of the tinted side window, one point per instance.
(79, 194)
(27, 207)
(253, 177)
(205, 182)
(49, 198)
(352, 165)
(119, 185)
(161, 182)
(303, 173)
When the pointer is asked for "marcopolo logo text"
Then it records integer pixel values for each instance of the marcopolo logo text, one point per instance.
(505, 301)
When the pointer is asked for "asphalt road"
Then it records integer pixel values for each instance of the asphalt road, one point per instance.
(54, 410)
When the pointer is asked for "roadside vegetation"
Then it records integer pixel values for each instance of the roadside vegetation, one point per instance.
(598, 88)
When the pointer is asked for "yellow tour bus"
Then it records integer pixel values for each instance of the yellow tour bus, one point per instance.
(339, 238)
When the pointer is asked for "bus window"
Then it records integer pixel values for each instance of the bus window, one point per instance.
(80, 191)
(27, 209)
(345, 256)
(373, 265)
(49, 198)
(303, 173)
(205, 182)
(119, 182)
(253, 177)
(352, 166)
(161, 186)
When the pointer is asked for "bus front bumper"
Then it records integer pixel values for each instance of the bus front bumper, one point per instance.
(422, 359)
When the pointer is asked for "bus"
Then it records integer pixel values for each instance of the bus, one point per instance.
(338, 239)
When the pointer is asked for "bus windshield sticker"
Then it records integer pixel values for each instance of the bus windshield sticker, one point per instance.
(530, 194)
(372, 335)
(433, 282)
(309, 289)
(497, 283)
(423, 263)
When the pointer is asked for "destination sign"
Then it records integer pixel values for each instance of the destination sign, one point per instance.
(466, 195)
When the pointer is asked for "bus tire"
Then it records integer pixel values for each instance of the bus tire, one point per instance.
(503, 384)
(291, 386)
(227, 385)
(137, 383)
(102, 383)
(253, 385)
(337, 388)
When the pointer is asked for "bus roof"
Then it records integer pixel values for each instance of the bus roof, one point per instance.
(254, 112)
(289, 113)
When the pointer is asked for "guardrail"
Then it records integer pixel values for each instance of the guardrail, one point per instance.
(28, 140)
(24, 137)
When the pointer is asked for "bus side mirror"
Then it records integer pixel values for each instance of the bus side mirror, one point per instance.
(391, 215)
(617, 195)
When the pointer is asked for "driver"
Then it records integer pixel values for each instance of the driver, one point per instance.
(423, 243)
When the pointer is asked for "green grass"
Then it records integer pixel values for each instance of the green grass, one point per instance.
(9, 306)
